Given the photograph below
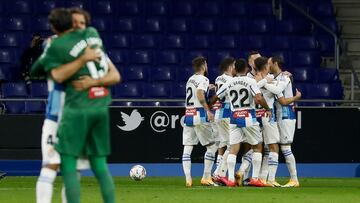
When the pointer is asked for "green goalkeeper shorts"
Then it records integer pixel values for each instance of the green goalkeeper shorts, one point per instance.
(84, 132)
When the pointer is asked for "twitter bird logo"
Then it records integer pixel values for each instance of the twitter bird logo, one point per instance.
(131, 122)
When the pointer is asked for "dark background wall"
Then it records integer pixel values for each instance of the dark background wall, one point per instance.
(327, 135)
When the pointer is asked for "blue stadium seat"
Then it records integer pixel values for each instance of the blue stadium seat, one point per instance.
(178, 25)
(321, 9)
(78, 4)
(147, 104)
(210, 8)
(278, 42)
(103, 7)
(230, 25)
(9, 40)
(118, 40)
(19, 7)
(101, 24)
(183, 8)
(6, 56)
(327, 45)
(302, 74)
(199, 42)
(41, 24)
(143, 41)
(292, 26)
(13, 89)
(226, 42)
(288, 11)
(260, 25)
(3, 74)
(304, 43)
(319, 91)
(126, 104)
(189, 56)
(136, 73)
(337, 91)
(35, 107)
(141, 57)
(129, 90)
(329, 22)
(183, 73)
(16, 24)
(203, 26)
(44, 7)
(178, 90)
(213, 72)
(234, 8)
(306, 58)
(157, 90)
(126, 8)
(38, 90)
(123, 24)
(177, 104)
(167, 57)
(326, 75)
(118, 56)
(172, 42)
(162, 73)
(253, 42)
(14, 107)
(216, 57)
(260, 9)
(150, 25)
(156, 8)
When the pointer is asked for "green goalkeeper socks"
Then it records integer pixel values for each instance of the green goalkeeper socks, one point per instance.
(99, 168)
(71, 181)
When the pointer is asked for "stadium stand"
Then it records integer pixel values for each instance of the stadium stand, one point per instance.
(153, 42)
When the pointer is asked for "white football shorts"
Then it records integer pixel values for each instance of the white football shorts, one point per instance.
(270, 131)
(203, 133)
(287, 130)
(224, 132)
(251, 134)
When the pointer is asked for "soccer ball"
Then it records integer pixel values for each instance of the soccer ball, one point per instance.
(137, 172)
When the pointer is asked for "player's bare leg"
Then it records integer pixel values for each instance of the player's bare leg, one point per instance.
(291, 165)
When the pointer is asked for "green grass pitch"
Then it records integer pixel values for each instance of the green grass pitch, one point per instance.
(172, 190)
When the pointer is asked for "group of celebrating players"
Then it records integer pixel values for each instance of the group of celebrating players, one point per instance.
(252, 109)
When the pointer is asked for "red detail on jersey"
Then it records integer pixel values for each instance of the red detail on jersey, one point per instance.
(190, 112)
(98, 92)
(260, 113)
(241, 114)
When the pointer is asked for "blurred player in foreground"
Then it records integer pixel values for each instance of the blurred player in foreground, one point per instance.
(83, 105)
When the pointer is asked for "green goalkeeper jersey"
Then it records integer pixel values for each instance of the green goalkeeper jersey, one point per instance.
(67, 48)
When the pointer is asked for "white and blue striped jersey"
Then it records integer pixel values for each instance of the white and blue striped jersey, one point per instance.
(241, 91)
(283, 88)
(56, 100)
(223, 110)
(195, 113)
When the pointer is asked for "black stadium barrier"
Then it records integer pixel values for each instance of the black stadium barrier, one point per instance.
(154, 135)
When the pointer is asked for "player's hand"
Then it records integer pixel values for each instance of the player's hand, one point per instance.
(91, 54)
(84, 83)
(269, 79)
(287, 73)
(210, 116)
(269, 114)
(211, 86)
(298, 94)
(258, 77)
